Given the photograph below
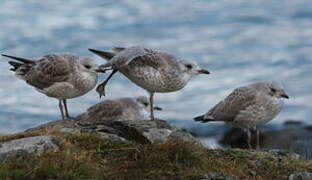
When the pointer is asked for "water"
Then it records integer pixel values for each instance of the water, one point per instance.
(238, 41)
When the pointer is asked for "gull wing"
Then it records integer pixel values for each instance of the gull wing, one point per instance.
(228, 109)
(50, 69)
(108, 109)
(142, 57)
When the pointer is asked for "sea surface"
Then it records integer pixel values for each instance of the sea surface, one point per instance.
(239, 41)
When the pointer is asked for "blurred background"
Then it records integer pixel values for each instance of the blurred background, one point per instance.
(240, 42)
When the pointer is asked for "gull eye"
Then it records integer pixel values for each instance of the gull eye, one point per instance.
(145, 104)
(87, 66)
(273, 90)
(188, 66)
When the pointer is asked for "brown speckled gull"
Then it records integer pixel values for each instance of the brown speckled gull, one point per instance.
(248, 106)
(61, 76)
(152, 70)
(126, 108)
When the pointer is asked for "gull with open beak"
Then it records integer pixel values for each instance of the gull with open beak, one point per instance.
(152, 70)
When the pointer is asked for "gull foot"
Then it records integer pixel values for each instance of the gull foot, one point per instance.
(101, 90)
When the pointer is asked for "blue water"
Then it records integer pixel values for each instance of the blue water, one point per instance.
(238, 41)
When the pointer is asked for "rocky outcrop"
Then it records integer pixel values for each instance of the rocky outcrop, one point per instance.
(141, 131)
(84, 156)
(301, 176)
(292, 136)
(216, 176)
(36, 145)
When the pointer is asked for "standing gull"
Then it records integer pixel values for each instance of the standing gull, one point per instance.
(152, 70)
(248, 106)
(135, 108)
(61, 76)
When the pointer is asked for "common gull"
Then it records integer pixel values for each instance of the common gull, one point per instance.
(248, 107)
(152, 70)
(61, 76)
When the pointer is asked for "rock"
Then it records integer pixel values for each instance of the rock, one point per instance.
(182, 134)
(216, 176)
(293, 137)
(252, 173)
(235, 138)
(145, 131)
(36, 145)
(141, 131)
(292, 123)
(301, 176)
(283, 153)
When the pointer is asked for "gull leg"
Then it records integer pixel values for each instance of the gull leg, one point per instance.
(152, 106)
(249, 138)
(66, 110)
(101, 88)
(61, 109)
(258, 138)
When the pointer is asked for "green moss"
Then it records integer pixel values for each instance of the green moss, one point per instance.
(89, 157)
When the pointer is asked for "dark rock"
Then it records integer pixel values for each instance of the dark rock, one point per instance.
(295, 139)
(293, 123)
(283, 153)
(308, 128)
(145, 131)
(36, 145)
(183, 135)
(236, 138)
(141, 131)
(301, 176)
(216, 176)
(252, 173)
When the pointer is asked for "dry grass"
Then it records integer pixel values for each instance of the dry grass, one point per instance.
(89, 157)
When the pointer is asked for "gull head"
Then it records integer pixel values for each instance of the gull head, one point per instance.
(273, 89)
(88, 65)
(191, 68)
(144, 103)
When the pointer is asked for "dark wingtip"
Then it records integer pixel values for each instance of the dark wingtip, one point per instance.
(199, 118)
(203, 119)
(5, 55)
(24, 60)
(15, 65)
(92, 50)
(103, 54)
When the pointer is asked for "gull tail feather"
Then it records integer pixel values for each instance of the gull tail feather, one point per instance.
(104, 54)
(15, 65)
(203, 119)
(23, 60)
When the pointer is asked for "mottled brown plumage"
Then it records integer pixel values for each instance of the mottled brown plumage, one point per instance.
(248, 106)
(49, 70)
(152, 70)
(61, 76)
(119, 109)
(228, 109)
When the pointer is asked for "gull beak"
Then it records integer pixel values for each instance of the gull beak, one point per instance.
(157, 108)
(285, 96)
(203, 71)
(99, 70)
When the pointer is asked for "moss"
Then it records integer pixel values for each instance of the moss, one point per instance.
(89, 157)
